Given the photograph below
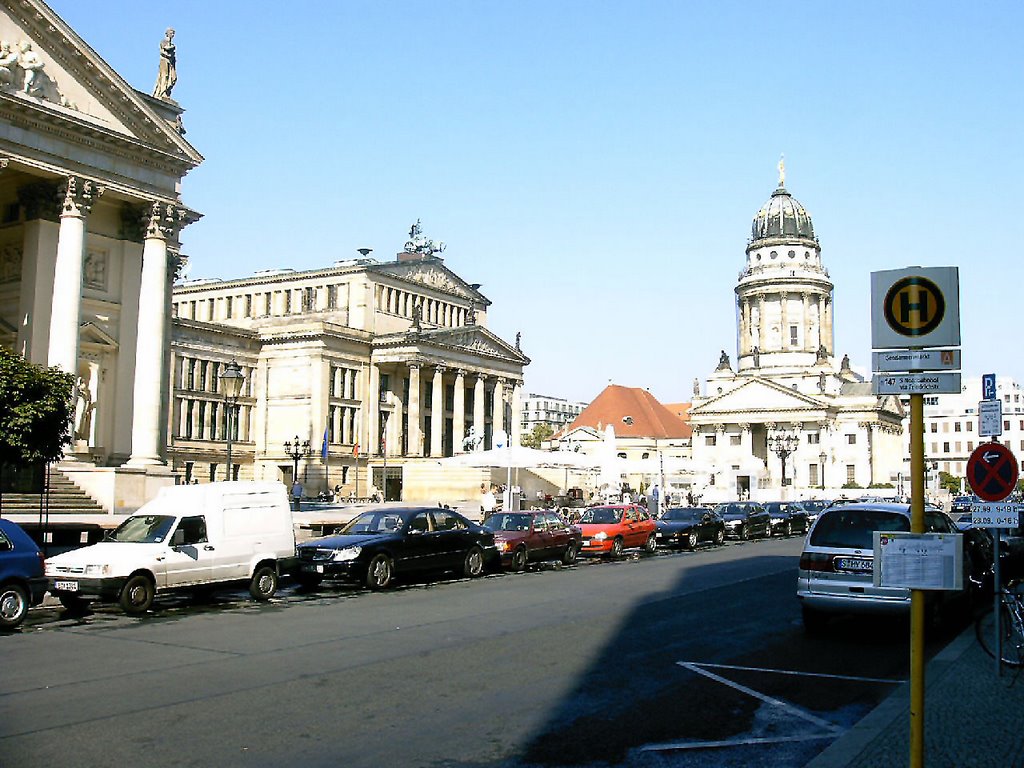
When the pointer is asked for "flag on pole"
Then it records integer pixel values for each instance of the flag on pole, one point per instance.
(355, 450)
(323, 447)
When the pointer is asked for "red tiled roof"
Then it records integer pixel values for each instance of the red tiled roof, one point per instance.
(644, 415)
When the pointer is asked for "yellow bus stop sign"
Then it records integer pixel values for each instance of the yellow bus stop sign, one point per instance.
(914, 306)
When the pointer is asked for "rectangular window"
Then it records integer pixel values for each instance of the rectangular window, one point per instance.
(1006, 425)
(956, 446)
(970, 426)
(794, 336)
(851, 473)
(970, 445)
(229, 305)
(709, 440)
(851, 439)
(945, 447)
(956, 427)
(734, 439)
(813, 438)
(812, 475)
(935, 427)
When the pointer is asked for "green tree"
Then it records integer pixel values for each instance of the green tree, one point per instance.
(950, 482)
(538, 435)
(35, 411)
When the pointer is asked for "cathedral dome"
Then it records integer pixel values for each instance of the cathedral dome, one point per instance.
(782, 217)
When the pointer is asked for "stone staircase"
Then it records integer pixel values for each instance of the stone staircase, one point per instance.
(64, 498)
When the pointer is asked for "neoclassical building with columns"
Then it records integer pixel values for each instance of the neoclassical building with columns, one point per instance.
(788, 421)
(90, 214)
(383, 366)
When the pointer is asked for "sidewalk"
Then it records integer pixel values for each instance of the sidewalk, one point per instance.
(973, 719)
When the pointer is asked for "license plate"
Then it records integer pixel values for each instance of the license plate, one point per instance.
(313, 568)
(66, 586)
(586, 542)
(853, 564)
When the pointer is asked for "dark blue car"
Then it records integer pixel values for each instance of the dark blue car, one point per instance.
(22, 583)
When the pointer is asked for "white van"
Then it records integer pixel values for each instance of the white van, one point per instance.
(189, 536)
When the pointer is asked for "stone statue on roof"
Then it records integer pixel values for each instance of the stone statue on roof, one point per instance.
(167, 75)
(723, 362)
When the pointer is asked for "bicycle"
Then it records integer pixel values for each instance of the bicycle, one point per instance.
(1011, 611)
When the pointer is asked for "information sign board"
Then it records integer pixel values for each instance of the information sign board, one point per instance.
(916, 360)
(931, 561)
(996, 515)
(915, 383)
(990, 418)
(915, 307)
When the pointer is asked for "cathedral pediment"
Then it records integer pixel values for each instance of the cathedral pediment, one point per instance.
(757, 395)
(433, 274)
(474, 339)
(48, 72)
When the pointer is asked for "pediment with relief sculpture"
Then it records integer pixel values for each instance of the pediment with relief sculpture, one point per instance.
(431, 273)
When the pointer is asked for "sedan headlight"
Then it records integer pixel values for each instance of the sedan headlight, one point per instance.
(347, 553)
(97, 570)
(502, 546)
(601, 536)
(777, 520)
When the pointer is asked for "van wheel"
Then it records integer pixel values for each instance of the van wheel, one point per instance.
(474, 564)
(137, 595)
(13, 605)
(380, 572)
(263, 584)
(519, 558)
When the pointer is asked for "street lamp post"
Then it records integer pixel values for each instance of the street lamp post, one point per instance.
(296, 450)
(231, 379)
(783, 445)
(822, 457)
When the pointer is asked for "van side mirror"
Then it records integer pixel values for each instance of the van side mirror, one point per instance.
(178, 539)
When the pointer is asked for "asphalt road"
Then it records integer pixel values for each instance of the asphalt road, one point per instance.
(673, 660)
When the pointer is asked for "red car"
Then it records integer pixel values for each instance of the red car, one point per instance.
(610, 529)
(536, 534)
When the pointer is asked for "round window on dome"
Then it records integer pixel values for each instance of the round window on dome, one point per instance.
(759, 257)
(807, 254)
(792, 254)
(774, 254)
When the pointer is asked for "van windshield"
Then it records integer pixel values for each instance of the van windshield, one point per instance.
(143, 529)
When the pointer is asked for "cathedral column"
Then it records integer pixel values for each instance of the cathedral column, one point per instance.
(828, 327)
(415, 445)
(373, 411)
(745, 320)
(516, 428)
(497, 409)
(478, 408)
(79, 196)
(437, 413)
(158, 269)
(806, 346)
(762, 325)
(459, 411)
(784, 321)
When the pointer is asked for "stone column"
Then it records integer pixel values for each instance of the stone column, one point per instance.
(459, 411)
(497, 409)
(437, 413)
(806, 346)
(79, 196)
(373, 412)
(517, 413)
(164, 221)
(784, 321)
(745, 345)
(828, 327)
(415, 415)
(762, 325)
(478, 407)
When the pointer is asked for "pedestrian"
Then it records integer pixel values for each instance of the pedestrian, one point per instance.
(487, 501)
(297, 495)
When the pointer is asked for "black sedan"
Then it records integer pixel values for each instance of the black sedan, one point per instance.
(745, 519)
(787, 518)
(381, 544)
(689, 526)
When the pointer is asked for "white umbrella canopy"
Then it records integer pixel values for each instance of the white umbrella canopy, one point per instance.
(521, 457)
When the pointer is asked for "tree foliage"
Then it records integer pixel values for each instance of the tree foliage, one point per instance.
(35, 410)
(950, 482)
(538, 435)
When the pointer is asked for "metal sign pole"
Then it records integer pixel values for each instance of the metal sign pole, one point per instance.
(997, 593)
(917, 596)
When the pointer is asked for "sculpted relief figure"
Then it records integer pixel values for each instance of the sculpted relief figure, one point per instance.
(29, 61)
(8, 64)
(167, 76)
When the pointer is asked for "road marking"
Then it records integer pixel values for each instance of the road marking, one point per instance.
(800, 674)
(671, 745)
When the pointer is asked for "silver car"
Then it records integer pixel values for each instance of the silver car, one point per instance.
(836, 566)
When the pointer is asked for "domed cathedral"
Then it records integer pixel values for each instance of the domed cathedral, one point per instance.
(788, 422)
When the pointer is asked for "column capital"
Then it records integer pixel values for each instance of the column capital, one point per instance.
(165, 220)
(79, 196)
(460, 373)
(414, 364)
(439, 369)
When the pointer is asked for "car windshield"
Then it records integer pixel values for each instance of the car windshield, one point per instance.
(508, 521)
(683, 515)
(379, 521)
(601, 515)
(854, 528)
(143, 529)
(776, 507)
(733, 510)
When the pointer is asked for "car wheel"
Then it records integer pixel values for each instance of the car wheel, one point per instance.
(474, 564)
(744, 533)
(73, 604)
(519, 558)
(720, 538)
(789, 529)
(651, 545)
(572, 551)
(814, 621)
(137, 595)
(13, 605)
(616, 547)
(691, 540)
(264, 583)
(380, 572)
(768, 531)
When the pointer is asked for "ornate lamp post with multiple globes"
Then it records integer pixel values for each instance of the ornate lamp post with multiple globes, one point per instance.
(231, 379)
(783, 445)
(296, 450)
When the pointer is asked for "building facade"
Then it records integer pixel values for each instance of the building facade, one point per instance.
(90, 216)
(788, 421)
(554, 412)
(383, 367)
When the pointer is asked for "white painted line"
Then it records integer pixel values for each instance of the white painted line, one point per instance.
(796, 711)
(799, 674)
(673, 745)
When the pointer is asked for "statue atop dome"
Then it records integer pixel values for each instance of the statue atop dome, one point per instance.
(782, 171)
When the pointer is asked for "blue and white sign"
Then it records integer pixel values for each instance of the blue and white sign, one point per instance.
(988, 386)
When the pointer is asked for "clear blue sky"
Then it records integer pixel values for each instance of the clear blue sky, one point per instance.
(596, 165)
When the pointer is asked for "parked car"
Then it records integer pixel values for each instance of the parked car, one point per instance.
(612, 528)
(961, 505)
(689, 526)
(383, 544)
(836, 568)
(787, 518)
(22, 583)
(813, 508)
(744, 519)
(531, 535)
(188, 537)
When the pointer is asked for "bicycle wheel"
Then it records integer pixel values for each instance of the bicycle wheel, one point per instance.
(1011, 630)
